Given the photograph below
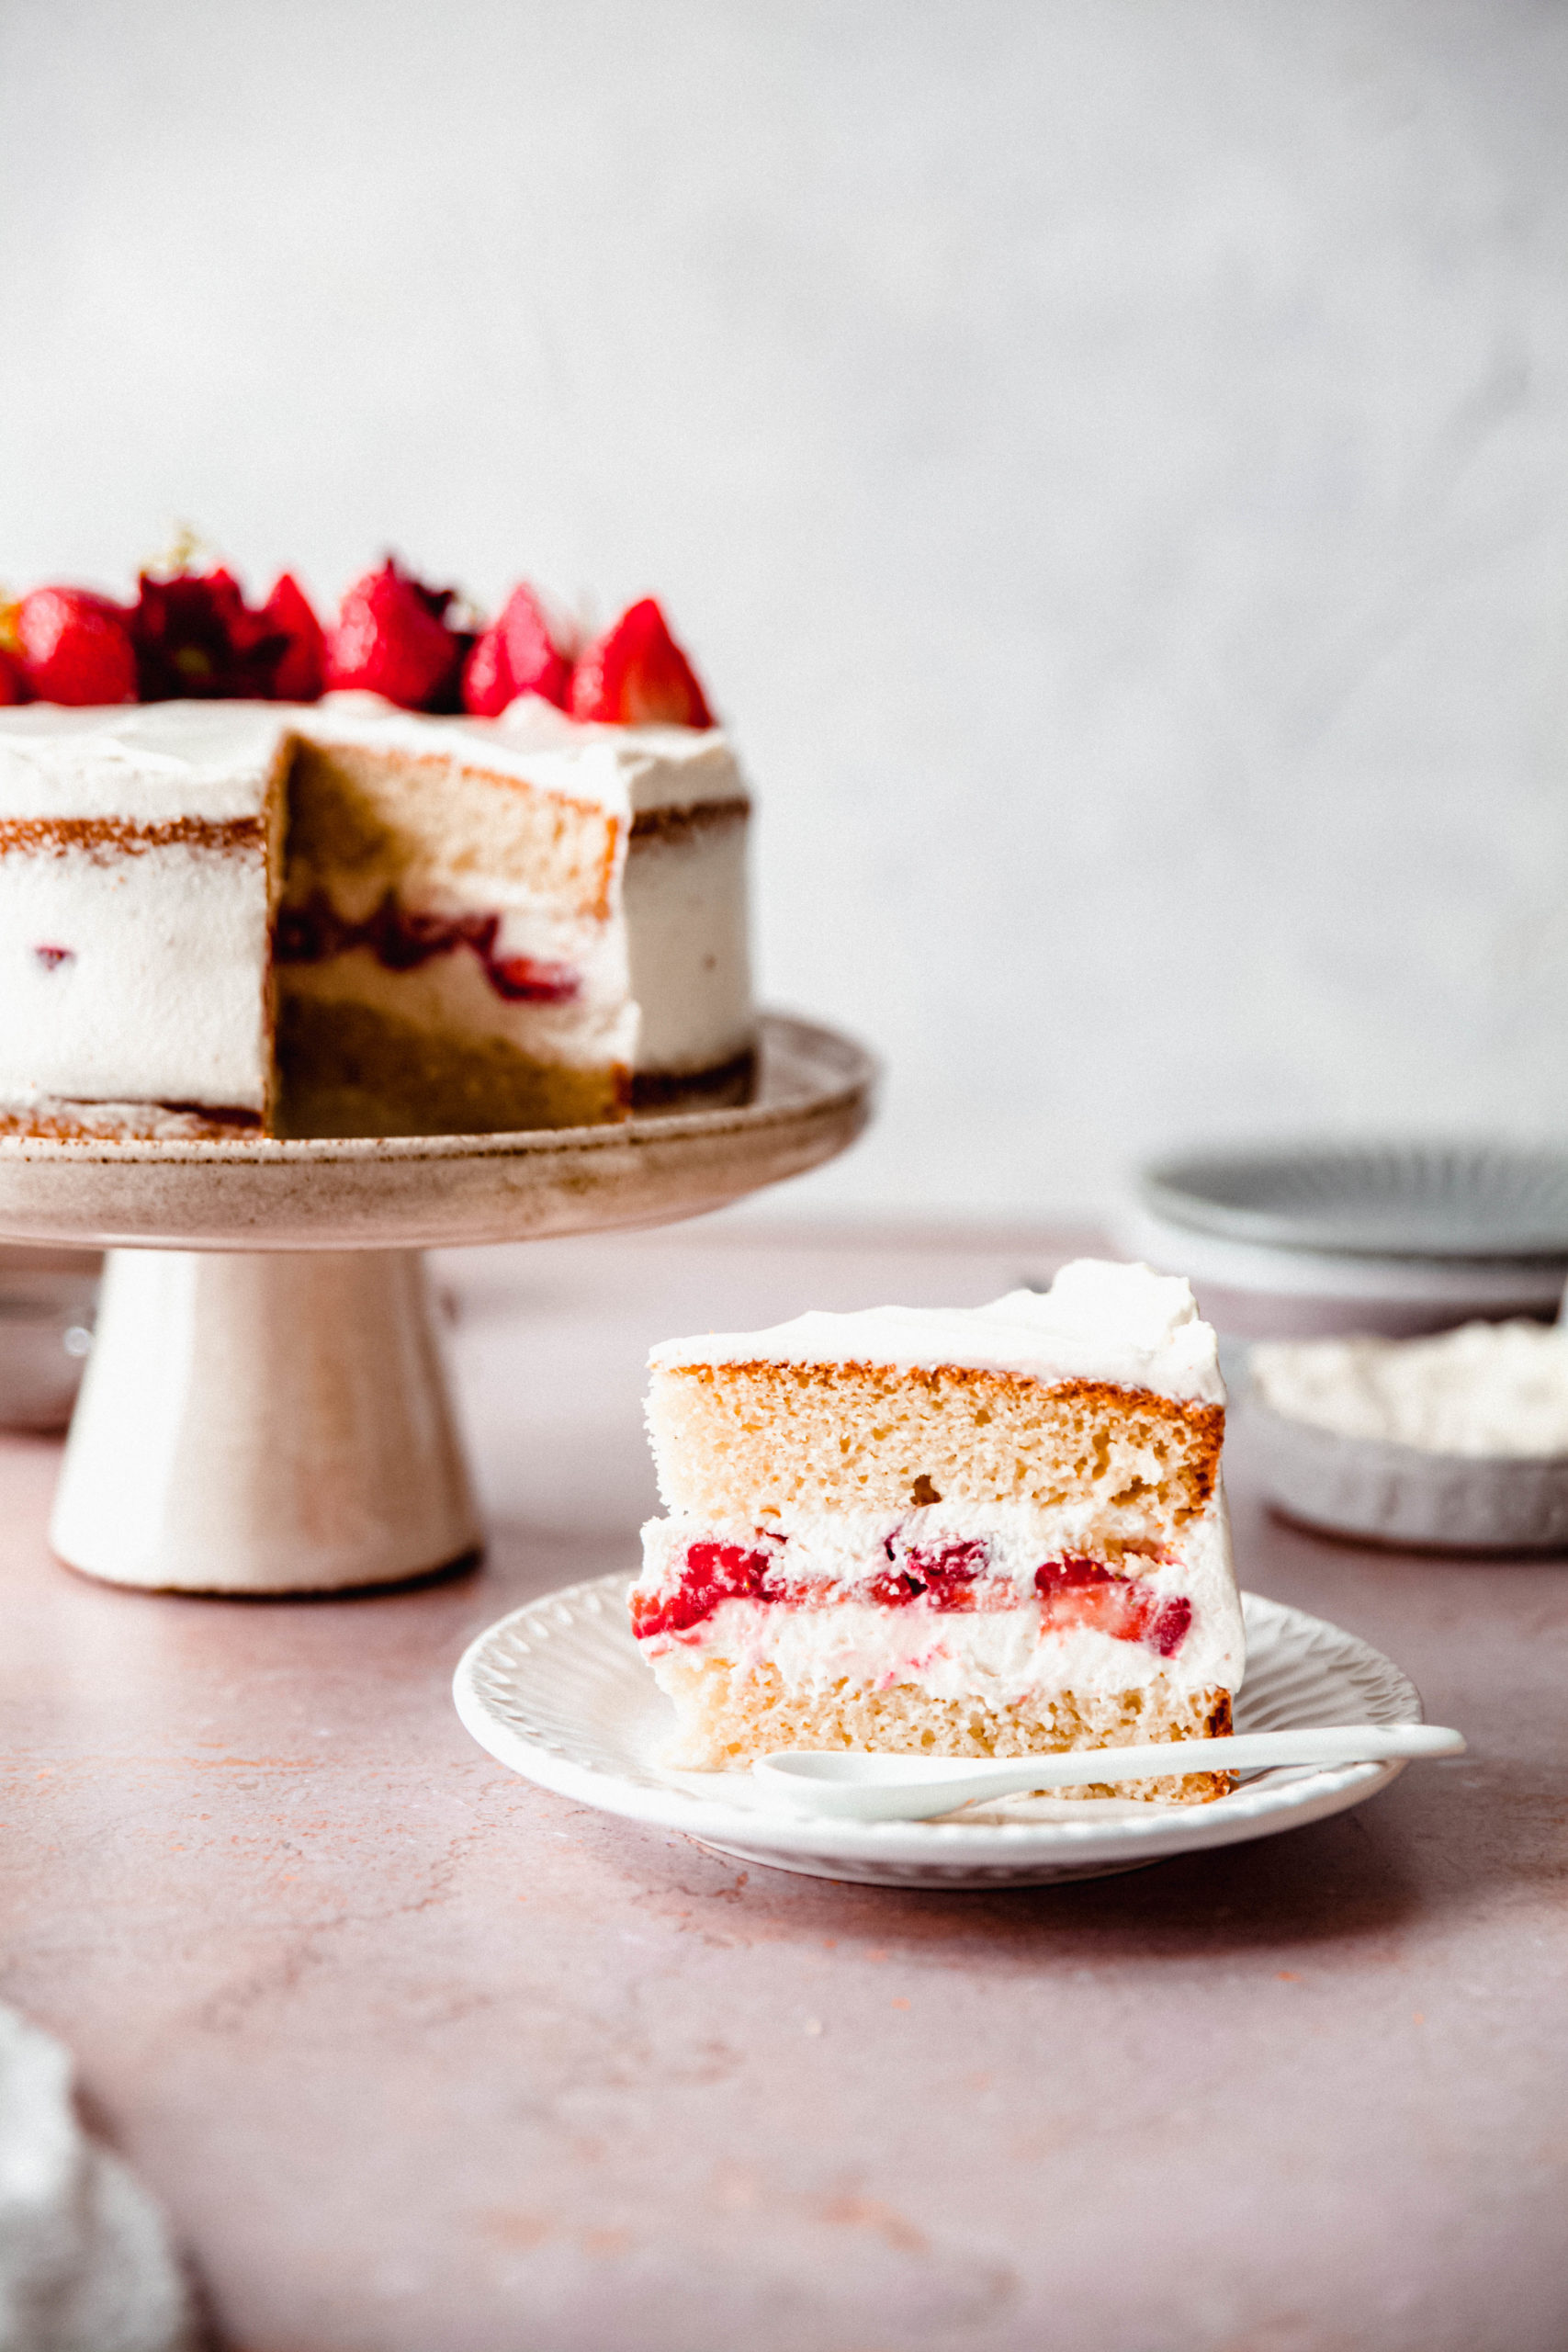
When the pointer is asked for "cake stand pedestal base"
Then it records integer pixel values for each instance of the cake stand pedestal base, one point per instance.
(265, 1423)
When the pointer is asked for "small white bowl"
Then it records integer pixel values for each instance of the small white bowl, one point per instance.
(1401, 1495)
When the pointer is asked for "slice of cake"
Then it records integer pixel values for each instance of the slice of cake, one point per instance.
(348, 919)
(995, 1532)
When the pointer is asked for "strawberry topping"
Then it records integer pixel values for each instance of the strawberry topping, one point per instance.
(487, 681)
(14, 687)
(516, 655)
(303, 672)
(75, 647)
(191, 635)
(392, 638)
(636, 675)
(197, 639)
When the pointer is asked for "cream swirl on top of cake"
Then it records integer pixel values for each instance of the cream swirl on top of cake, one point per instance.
(1099, 1321)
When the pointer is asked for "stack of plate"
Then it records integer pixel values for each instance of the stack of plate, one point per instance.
(1293, 1241)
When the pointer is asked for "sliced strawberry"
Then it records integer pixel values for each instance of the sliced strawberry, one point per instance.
(75, 647)
(392, 638)
(197, 639)
(487, 678)
(636, 675)
(14, 687)
(537, 665)
(516, 656)
(301, 673)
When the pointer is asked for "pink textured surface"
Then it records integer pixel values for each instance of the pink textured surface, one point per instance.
(422, 2059)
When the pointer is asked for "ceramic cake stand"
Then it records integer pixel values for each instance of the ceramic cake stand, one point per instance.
(264, 1408)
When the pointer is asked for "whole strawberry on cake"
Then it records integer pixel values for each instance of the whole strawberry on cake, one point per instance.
(401, 875)
(997, 1531)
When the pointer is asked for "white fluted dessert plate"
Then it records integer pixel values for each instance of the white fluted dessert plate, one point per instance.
(558, 1691)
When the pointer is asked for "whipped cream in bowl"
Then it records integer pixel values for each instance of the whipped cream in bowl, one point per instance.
(1456, 1443)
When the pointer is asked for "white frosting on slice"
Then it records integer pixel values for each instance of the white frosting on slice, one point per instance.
(145, 763)
(627, 770)
(1120, 1323)
(210, 759)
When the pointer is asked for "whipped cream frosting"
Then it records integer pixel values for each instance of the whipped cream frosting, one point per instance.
(163, 760)
(1100, 1320)
(629, 771)
(143, 762)
(1487, 1389)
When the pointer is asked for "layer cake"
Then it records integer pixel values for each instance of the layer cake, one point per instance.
(993, 1532)
(344, 918)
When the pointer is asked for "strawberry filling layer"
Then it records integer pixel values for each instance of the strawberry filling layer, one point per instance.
(1071, 1593)
(313, 931)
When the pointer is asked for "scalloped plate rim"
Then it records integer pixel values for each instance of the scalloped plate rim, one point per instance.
(1195, 1187)
(1262, 1806)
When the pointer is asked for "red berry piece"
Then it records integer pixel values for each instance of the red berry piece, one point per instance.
(516, 656)
(945, 1576)
(1172, 1620)
(486, 680)
(303, 672)
(75, 647)
(636, 675)
(713, 1573)
(197, 639)
(537, 665)
(14, 687)
(391, 638)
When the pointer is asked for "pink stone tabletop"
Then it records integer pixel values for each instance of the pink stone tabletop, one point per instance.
(422, 2059)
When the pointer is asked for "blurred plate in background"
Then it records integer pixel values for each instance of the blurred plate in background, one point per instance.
(1253, 1292)
(1442, 1200)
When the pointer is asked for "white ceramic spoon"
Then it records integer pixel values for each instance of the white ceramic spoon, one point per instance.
(857, 1786)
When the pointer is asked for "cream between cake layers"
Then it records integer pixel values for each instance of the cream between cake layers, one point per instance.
(348, 919)
(991, 1532)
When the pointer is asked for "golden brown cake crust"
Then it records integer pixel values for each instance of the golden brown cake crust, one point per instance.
(122, 837)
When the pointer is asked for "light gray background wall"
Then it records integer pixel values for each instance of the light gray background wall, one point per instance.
(1110, 459)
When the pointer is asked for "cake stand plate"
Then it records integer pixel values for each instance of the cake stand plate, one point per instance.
(265, 1408)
